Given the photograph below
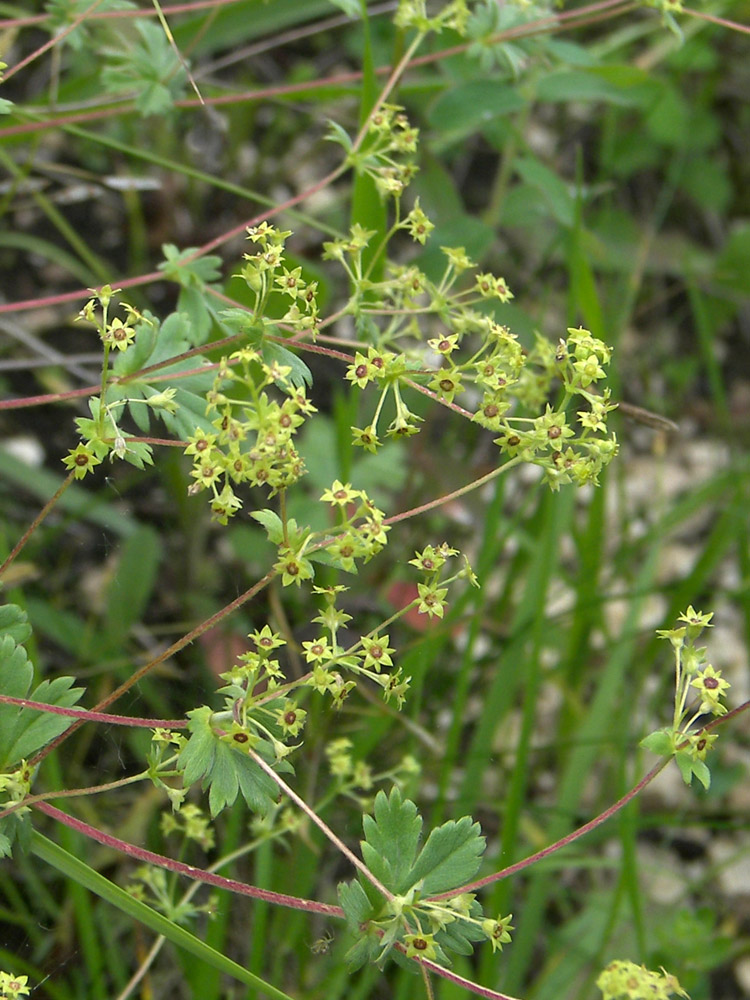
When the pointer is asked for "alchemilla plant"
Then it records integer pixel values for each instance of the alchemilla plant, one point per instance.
(399, 340)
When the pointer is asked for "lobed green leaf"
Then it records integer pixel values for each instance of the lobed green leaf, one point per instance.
(451, 856)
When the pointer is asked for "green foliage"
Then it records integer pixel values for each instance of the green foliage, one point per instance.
(689, 746)
(425, 928)
(223, 767)
(510, 201)
(24, 731)
(149, 67)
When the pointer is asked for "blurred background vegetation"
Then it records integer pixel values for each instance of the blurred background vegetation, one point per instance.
(596, 157)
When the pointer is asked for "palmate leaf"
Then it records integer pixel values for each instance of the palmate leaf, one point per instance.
(450, 857)
(149, 67)
(241, 321)
(196, 276)
(14, 622)
(448, 860)
(224, 770)
(23, 732)
(391, 841)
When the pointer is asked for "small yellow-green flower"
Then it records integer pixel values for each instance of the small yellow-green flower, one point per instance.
(377, 652)
(458, 259)
(341, 494)
(498, 931)
(360, 372)
(420, 946)
(711, 686)
(317, 651)
(240, 738)
(365, 438)
(700, 743)
(418, 224)
(431, 600)
(81, 460)
(119, 335)
(446, 383)
(265, 640)
(12, 986)
(293, 569)
(291, 718)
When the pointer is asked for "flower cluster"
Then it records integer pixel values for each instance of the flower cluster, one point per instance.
(354, 777)
(15, 786)
(191, 821)
(434, 588)
(265, 272)
(627, 981)
(366, 658)
(390, 137)
(361, 531)
(255, 713)
(252, 441)
(113, 332)
(421, 925)
(568, 453)
(259, 706)
(699, 690)
(101, 433)
(477, 355)
(413, 14)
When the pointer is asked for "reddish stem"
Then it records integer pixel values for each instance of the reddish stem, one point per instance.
(89, 716)
(170, 651)
(564, 841)
(592, 824)
(198, 874)
(733, 25)
(313, 816)
(58, 37)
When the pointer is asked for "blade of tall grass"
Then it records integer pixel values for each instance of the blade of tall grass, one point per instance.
(600, 720)
(80, 874)
(368, 208)
(707, 345)
(206, 979)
